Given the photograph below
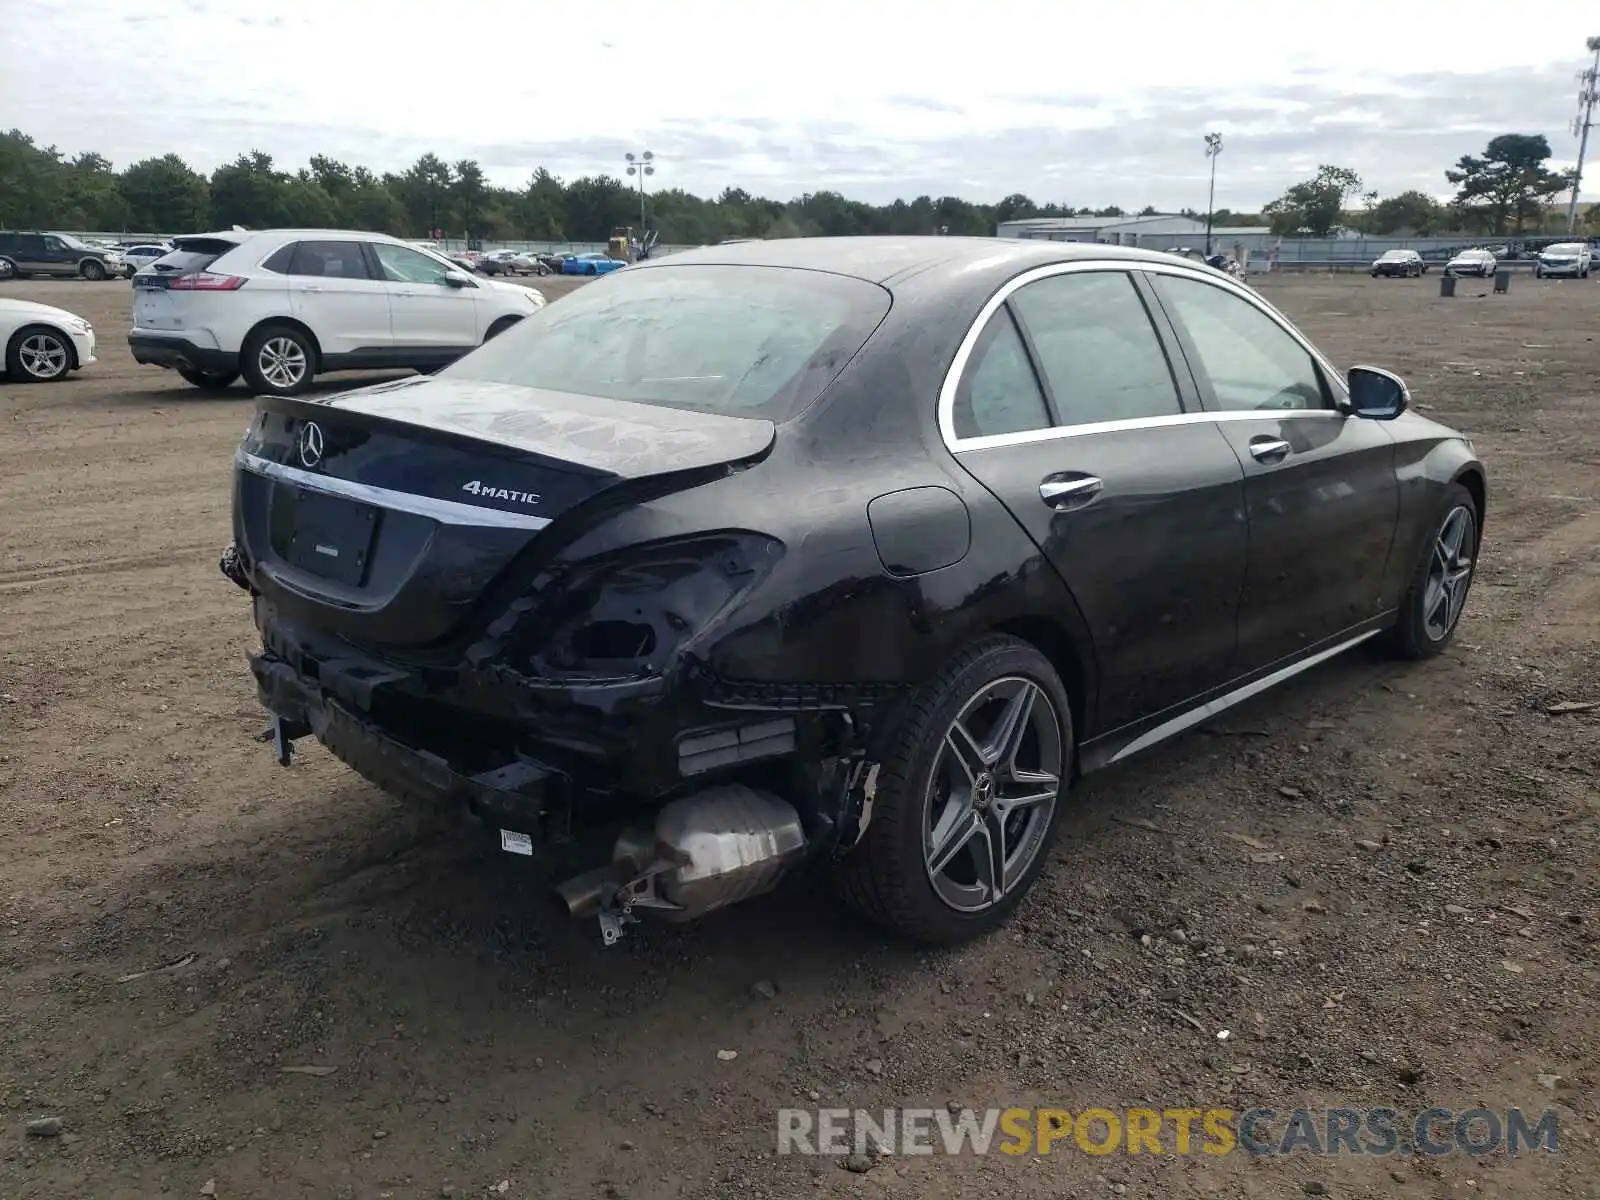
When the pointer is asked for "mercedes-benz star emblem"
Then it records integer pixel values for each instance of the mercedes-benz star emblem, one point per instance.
(310, 443)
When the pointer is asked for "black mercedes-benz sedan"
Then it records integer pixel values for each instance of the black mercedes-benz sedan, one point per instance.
(846, 556)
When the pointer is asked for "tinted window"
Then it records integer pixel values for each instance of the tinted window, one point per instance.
(747, 341)
(998, 392)
(1250, 360)
(401, 264)
(336, 260)
(1097, 348)
(280, 259)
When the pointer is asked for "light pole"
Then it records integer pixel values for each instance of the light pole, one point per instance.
(1580, 126)
(641, 166)
(1213, 148)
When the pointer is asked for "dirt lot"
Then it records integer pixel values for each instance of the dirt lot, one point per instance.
(181, 921)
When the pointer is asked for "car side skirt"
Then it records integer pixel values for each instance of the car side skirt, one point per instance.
(1124, 743)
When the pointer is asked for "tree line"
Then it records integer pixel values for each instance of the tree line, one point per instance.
(1505, 189)
(1508, 189)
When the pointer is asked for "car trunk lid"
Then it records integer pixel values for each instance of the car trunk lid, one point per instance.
(386, 515)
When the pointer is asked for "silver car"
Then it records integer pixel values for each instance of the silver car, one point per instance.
(1564, 258)
(1472, 262)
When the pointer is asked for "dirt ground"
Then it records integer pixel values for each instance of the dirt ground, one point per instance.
(1380, 879)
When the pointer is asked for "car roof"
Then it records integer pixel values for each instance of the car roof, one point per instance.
(886, 260)
(240, 236)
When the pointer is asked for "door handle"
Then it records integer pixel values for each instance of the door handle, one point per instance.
(1268, 449)
(1067, 493)
(311, 288)
(405, 292)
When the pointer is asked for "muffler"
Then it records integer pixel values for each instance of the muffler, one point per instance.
(706, 851)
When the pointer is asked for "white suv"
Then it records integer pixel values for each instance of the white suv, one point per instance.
(280, 306)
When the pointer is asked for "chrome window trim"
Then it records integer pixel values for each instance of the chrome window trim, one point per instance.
(446, 512)
(958, 365)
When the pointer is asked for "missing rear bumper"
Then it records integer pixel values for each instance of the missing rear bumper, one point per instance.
(517, 794)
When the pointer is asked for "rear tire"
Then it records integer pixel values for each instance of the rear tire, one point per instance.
(893, 876)
(1436, 596)
(39, 354)
(93, 271)
(210, 380)
(278, 360)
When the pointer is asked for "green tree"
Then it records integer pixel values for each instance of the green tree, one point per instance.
(1314, 207)
(249, 191)
(1509, 181)
(423, 189)
(1410, 212)
(164, 195)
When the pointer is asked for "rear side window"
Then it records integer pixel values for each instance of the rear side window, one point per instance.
(333, 260)
(746, 341)
(999, 392)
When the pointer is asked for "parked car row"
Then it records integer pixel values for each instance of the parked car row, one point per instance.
(1561, 258)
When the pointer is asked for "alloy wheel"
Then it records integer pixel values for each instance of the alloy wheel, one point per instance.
(282, 361)
(992, 793)
(43, 355)
(1449, 573)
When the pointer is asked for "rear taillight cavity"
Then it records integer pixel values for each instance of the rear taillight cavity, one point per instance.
(206, 281)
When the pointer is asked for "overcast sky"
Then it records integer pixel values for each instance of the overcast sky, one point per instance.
(1090, 105)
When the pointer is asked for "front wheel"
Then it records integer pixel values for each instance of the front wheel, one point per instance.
(93, 271)
(38, 355)
(210, 380)
(278, 360)
(1433, 602)
(7, 268)
(968, 797)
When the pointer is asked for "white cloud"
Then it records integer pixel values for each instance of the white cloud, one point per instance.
(874, 97)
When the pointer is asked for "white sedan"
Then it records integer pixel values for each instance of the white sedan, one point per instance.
(42, 342)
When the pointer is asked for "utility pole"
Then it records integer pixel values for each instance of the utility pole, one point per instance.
(1213, 148)
(1581, 125)
(641, 166)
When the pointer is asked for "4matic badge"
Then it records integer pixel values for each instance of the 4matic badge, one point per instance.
(478, 488)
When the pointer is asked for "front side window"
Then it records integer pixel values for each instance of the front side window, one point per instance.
(1097, 349)
(744, 341)
(999, 392)
(1249, 359)
(401, 264)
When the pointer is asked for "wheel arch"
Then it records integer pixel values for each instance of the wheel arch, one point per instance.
(502, 323)
(1471, 478)
(290, 323)
(1054, 640)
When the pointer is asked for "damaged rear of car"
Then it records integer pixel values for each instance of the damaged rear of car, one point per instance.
(553, 581)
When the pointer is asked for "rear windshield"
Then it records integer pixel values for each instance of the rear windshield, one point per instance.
(744, 341)
(193, 254)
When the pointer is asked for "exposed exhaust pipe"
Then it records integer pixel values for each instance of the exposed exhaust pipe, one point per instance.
(706, 851)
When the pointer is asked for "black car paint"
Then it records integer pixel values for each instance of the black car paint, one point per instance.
(841, 559)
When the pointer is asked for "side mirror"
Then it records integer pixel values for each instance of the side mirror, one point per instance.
(1376, 394)
(457, 279)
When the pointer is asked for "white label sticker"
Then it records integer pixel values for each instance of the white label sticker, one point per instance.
(513, 842)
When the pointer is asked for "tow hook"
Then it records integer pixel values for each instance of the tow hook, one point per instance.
(282, 734)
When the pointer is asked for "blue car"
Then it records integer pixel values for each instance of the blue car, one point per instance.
(589, 264)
